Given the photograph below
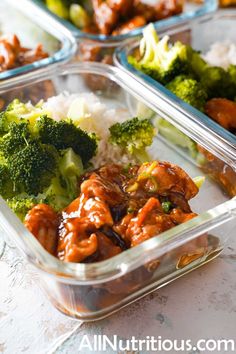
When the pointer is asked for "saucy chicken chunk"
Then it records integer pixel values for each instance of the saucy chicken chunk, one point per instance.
(13, 55)
(114, 17)
(223, 111)
(118, 208)
(42, 222)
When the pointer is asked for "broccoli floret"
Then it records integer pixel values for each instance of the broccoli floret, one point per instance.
(6, 184)
(22, 203)
(33, 167)
(195, 62)
(218, 82)
(160, 60)
(64, 187)
(64, 135)
(134, 136)
(71, 169)
(232, 73)
(56, 195)
(9, 115)
(189, 90)
(16, 139)
(38, 157)
(17, 112)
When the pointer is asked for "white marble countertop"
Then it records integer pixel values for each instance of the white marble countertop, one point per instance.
(200, 305)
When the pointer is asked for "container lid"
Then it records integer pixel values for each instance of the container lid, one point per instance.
(190, 12)
(34, 26)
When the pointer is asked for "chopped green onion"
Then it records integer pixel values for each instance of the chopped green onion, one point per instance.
(132, 188)
(199, 181)
(147, 173)
(166, 206)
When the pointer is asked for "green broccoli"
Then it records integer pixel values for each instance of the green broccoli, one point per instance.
(22, 203)
(6, 184)
(17, 112)
(160, 60)
(64, 187)
(64, 134)
(16, 139)
(134, 136)
(33, 167)
(71, 169)
(40, 157)
(189, 90)
(196, 64)
(218, 82)
(232, 73)
(9, 116)
(56, 195)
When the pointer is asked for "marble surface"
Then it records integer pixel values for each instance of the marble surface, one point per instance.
(200, 305)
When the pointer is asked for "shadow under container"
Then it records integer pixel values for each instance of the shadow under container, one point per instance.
(203, 32)
(32, 26)
(92, 291)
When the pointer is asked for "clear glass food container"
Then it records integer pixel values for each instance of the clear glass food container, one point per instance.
(33, 26)
(94, 47)
(202, 33)
(92, 291)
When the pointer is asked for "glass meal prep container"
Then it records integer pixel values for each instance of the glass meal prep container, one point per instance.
(92, 291)
(203, 32)
(33, 26)
(98, 47)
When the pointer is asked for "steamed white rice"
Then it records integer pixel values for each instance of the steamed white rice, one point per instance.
(221, 54)
(101, 117)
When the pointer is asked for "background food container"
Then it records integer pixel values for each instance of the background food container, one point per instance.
(93, 291)
(226, 3)
(33, 26)
(203, 32)
(100, 47)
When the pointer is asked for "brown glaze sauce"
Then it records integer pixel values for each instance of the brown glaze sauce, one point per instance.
(117, 209)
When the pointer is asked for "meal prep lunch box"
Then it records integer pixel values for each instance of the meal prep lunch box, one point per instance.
(202, 33)
(33, 26)
(98, 47)
(92, 291)
(190, 12)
